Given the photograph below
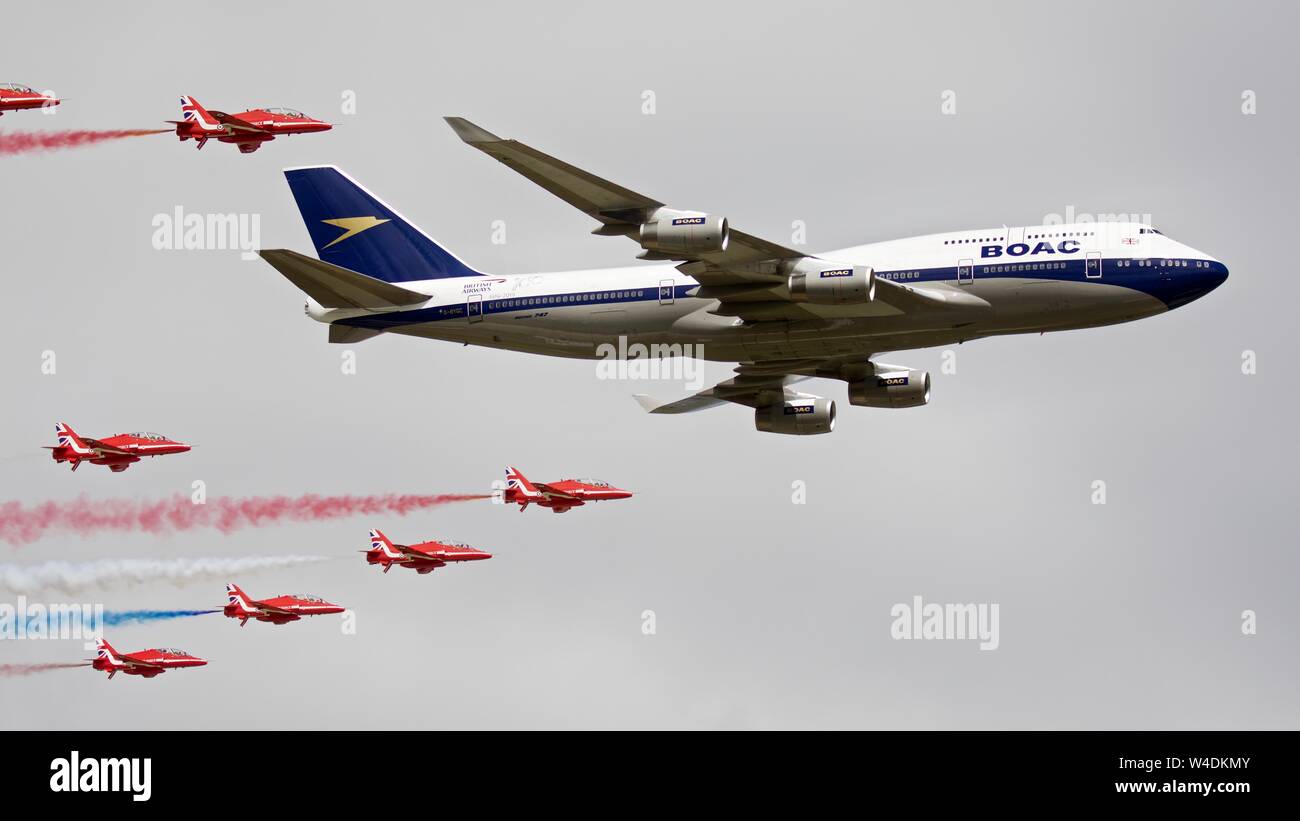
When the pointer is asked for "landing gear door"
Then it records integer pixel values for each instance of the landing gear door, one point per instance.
(474, 307)
(1092, 266)
(965, 272)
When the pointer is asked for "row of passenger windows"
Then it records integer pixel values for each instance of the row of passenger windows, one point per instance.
(1026, 266)
(902, 275)
(969, 241)
(1163, 263)
(599, 296)
(1064, 234)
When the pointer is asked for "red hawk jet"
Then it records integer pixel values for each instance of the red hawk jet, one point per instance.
(15, 97)
(558, 496)
(424, 557)
(119, 452)
(247, 129)
(279, 610)
(147, 663)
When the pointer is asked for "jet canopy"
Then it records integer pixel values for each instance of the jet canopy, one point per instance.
(285, 112)
(172, 651)
(157, 437)
(16, 87)
(306, 597)
(592, 482)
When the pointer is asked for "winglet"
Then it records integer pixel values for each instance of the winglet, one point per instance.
(469, 132)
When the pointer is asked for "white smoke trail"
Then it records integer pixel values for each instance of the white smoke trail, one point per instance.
(68, 577)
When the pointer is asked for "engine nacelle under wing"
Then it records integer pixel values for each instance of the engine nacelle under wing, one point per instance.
(891, 388)
(684, 234)
(798, 417)
(825, 282)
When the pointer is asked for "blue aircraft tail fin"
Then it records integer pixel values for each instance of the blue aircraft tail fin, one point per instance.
(354, 229)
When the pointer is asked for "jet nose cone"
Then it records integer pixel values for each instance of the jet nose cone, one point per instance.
(1211, 277)
(1183, 285)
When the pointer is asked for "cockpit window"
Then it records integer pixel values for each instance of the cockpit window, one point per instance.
(172, 651)
(306, 597)
(16, 87)
(1148, 230)
(143, 435)
(592, 482)
(284, 112)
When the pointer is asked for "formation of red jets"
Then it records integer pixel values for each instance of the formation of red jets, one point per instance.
(246, 129)
(120, 451)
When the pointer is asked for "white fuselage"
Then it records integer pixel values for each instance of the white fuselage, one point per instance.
(1023, 280)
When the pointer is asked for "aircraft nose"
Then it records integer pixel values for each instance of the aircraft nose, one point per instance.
(1211, 277)
(1180, 286)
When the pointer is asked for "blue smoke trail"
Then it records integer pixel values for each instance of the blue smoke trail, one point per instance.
(120, 618)
(79, 619)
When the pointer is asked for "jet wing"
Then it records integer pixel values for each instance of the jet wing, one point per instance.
(420, 555)
(746, 277)
(270, 608)
(762, 383)
(752, 390)
(553, 492)
(236, 124)
(132, 661)
(105, 450)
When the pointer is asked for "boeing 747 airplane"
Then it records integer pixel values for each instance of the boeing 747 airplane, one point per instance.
(783, 314)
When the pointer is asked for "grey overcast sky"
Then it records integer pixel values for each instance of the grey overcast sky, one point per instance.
(769, 614)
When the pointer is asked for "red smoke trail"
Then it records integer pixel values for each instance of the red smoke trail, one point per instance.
(22, 525)
(25, 142)
(12, 670)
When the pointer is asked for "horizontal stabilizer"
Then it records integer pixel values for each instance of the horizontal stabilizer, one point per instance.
(335, 287)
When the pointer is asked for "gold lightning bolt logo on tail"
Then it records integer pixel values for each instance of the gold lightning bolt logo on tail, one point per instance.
(352, 226)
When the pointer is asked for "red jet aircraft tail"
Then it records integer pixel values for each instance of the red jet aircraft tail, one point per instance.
(68, 438)
(239, 599)
(196, 123)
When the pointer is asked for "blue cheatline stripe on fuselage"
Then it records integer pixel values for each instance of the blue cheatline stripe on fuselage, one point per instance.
(1173, 284)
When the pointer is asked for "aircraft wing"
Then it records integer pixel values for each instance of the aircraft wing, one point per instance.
(553, 492)
(270, 608)
(752, 390)
(762, 383)
(235, 123)
(748, 277)
(105, 450)
(412, 553)
(132, 661)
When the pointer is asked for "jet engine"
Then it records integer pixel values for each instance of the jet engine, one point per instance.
(823, 282)
(800, 417)
(892, 388)
(684, 233)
